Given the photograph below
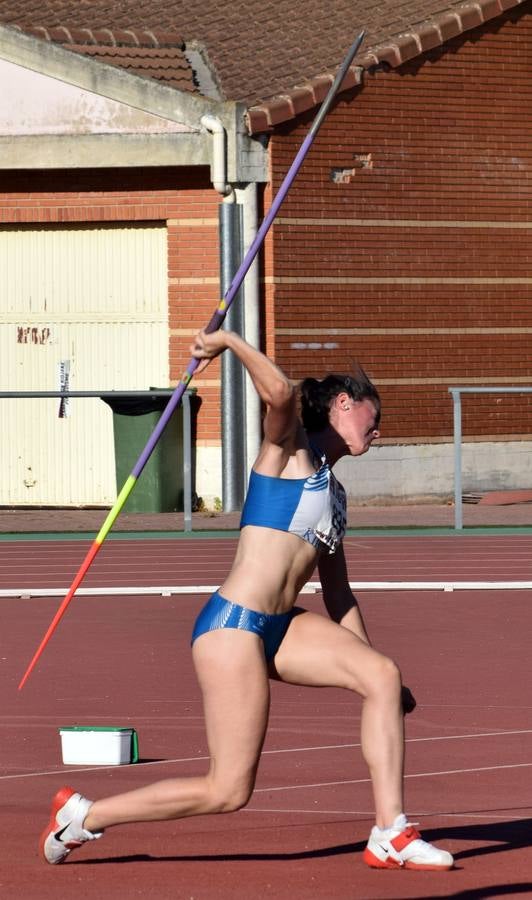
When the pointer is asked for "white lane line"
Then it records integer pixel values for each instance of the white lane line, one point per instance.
(26, 593)
(357, 812)
(444, 737)
(184, 759)
(157, 719)
(315, 812)
(163, 762)
(462, 815)
(63, 771)
(294, 787)
(286, 787)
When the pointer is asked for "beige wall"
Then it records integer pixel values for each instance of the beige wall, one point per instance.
(94, 298)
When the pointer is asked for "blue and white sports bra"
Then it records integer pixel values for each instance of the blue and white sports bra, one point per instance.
(314, 508)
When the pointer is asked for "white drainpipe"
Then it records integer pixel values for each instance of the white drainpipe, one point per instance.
(219, 155)
(247, 197)
(233, 405)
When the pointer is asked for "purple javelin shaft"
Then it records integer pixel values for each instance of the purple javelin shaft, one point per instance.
(220, 314)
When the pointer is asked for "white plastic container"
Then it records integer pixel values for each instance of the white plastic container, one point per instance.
(98, 746)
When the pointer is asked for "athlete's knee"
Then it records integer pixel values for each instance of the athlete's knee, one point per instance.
(232, 795)
(383, 680)
(390, 676)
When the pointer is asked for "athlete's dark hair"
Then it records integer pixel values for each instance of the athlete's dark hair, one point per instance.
(316, 396)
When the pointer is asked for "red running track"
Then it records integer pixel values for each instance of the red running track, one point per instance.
(126, 661)
(53, 564)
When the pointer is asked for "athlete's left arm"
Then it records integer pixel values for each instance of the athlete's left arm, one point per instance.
(343, 608)
(340, 602)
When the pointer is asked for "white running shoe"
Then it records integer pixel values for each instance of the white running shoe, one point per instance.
(65, 831)
(401, 846)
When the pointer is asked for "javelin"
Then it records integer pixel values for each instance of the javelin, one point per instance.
(215, 322)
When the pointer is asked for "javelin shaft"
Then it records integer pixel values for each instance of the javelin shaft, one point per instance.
(215, 323)
(219, 315)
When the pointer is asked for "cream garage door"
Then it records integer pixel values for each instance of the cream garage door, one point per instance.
(87, 303)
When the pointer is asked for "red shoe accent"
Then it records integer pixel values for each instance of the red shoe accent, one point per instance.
(375, 863)
(406, 837)
(372, 853)
(63, 796)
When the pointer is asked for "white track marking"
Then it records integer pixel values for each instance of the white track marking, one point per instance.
(443, 737)
(63, 771)
(266, 790)
(371, 814)
(318, 748)
(297, 787)
(185, 759)
(312, 587)
(315, 812)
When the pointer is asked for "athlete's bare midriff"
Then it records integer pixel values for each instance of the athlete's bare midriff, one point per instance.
(269, 570)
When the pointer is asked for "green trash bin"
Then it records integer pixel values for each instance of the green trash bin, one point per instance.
(160, 485)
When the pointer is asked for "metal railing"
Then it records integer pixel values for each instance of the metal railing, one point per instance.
(115, 395)
(457, 437)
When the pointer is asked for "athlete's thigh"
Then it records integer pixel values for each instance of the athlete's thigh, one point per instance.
(317, 651)
(233, 677)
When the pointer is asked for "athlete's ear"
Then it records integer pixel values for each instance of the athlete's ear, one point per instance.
(343, 401)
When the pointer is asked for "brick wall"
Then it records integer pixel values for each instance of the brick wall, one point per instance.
(406, 240)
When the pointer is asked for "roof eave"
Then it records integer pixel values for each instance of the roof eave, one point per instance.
(264, 117)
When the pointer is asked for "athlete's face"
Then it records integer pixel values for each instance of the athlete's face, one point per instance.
(356, 423)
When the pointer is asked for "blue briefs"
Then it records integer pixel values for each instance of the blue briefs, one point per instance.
(221, 613)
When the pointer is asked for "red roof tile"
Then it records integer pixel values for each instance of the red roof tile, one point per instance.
(270, 54)
(166, 64)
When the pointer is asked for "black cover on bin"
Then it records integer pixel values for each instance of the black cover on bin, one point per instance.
(136, 406)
